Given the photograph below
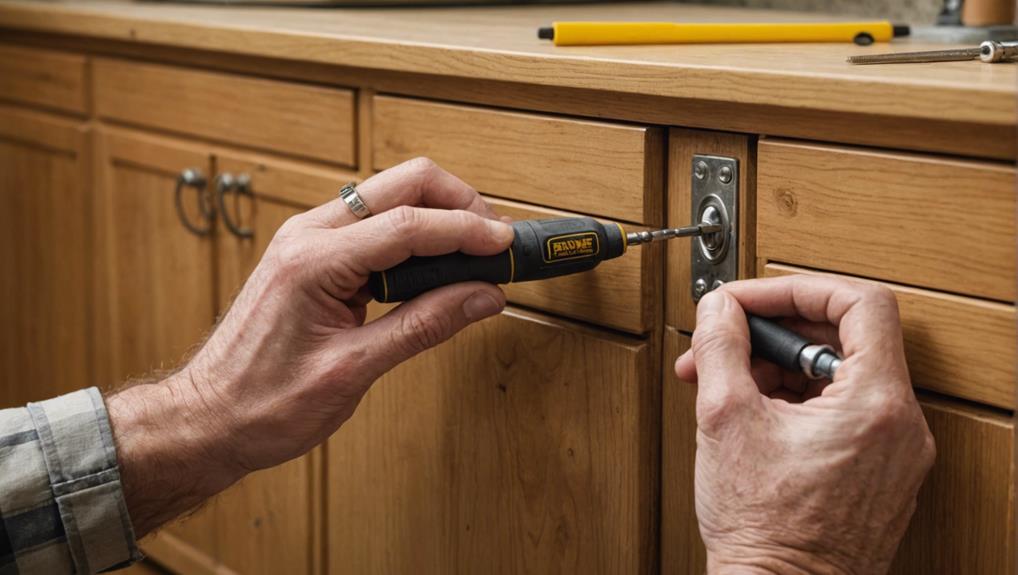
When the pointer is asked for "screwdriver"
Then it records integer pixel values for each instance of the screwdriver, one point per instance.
(988, 51)
(543, 249)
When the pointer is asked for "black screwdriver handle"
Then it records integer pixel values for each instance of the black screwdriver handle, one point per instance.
(776, 343)
(420, 274)
(541, 249)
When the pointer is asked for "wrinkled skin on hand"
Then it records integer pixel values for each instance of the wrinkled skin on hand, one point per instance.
(293, 356)
(796, 476)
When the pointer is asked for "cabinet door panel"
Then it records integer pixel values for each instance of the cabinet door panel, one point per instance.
(274, 516)
(522, 445)
(964, 521)
(44, 285)
(159, 276)
(682, 550)
(156, 296)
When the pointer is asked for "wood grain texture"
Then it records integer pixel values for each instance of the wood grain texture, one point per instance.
(285, 117)
(500, 44)
(683, 144)
(943, 135)
(45, 337)
(959, 346)
(525, 444)
(682, 550)
(623, 293)
(43, 78)
(610, 170)
(964, 522)
(918, 220)
(283, 181)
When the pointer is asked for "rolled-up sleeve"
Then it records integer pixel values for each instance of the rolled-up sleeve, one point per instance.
(62, 508)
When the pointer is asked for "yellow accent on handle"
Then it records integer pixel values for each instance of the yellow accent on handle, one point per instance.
(625, 240)
(512, 265)
(385, 289)
(606, 33)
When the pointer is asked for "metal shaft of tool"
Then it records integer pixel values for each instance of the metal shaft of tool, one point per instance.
(988, 51)
(637, 238)
(955, 55)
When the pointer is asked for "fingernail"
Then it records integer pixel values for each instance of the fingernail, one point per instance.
(501, 231)
(481, 305)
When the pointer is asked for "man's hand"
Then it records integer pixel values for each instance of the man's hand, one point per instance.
(794, 476)
(292, 358)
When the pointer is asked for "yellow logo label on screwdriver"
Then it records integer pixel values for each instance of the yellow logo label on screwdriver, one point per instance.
(571, 247)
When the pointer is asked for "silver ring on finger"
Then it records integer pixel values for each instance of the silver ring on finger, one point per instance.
(353, 200)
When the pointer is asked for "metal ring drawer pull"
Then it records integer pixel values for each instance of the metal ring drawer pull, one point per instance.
(241, 185)
(195, 179)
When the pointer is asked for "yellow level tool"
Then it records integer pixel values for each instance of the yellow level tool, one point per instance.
(606, 33)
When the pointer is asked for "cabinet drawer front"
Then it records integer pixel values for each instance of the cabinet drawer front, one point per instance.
(43, 78)
(609, 170)
(295, 119)
(955, 345)
(964, 518)
(622, 293)
(915, 220)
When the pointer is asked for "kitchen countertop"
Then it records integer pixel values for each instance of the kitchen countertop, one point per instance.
(500, 43)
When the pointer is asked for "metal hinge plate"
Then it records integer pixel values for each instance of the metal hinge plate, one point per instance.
(714, 257)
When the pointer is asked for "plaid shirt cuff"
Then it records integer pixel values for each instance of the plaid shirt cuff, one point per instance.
(62, 508)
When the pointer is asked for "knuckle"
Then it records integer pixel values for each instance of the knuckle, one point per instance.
(291, 226)
(422, 165)
(879, 294)
(887, 415)
(712, 415)
(403, 219)
(423, 330)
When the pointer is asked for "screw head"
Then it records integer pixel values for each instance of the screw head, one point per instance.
(699, 288)
(716, 284)
(700, 170)
(725, 174)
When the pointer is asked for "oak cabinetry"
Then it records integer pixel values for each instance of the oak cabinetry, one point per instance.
(682, 550)
(525, 444)
(599, 168)
(528, 443)
(46, 274)
(284, 117)
(164, 286)
(43, 78)
(912, 219)
(964, 521)
(942, 230)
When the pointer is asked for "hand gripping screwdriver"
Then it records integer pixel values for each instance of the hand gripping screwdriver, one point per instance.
(543, 249)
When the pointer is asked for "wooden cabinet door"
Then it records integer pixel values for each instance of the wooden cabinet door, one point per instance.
(682, 550)
(523, 445)
(156, 291)
(964, 520)
(44, 285)
(271, 521)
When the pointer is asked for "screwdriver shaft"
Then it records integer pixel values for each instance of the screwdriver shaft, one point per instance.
(637, 238)
(956, 55)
